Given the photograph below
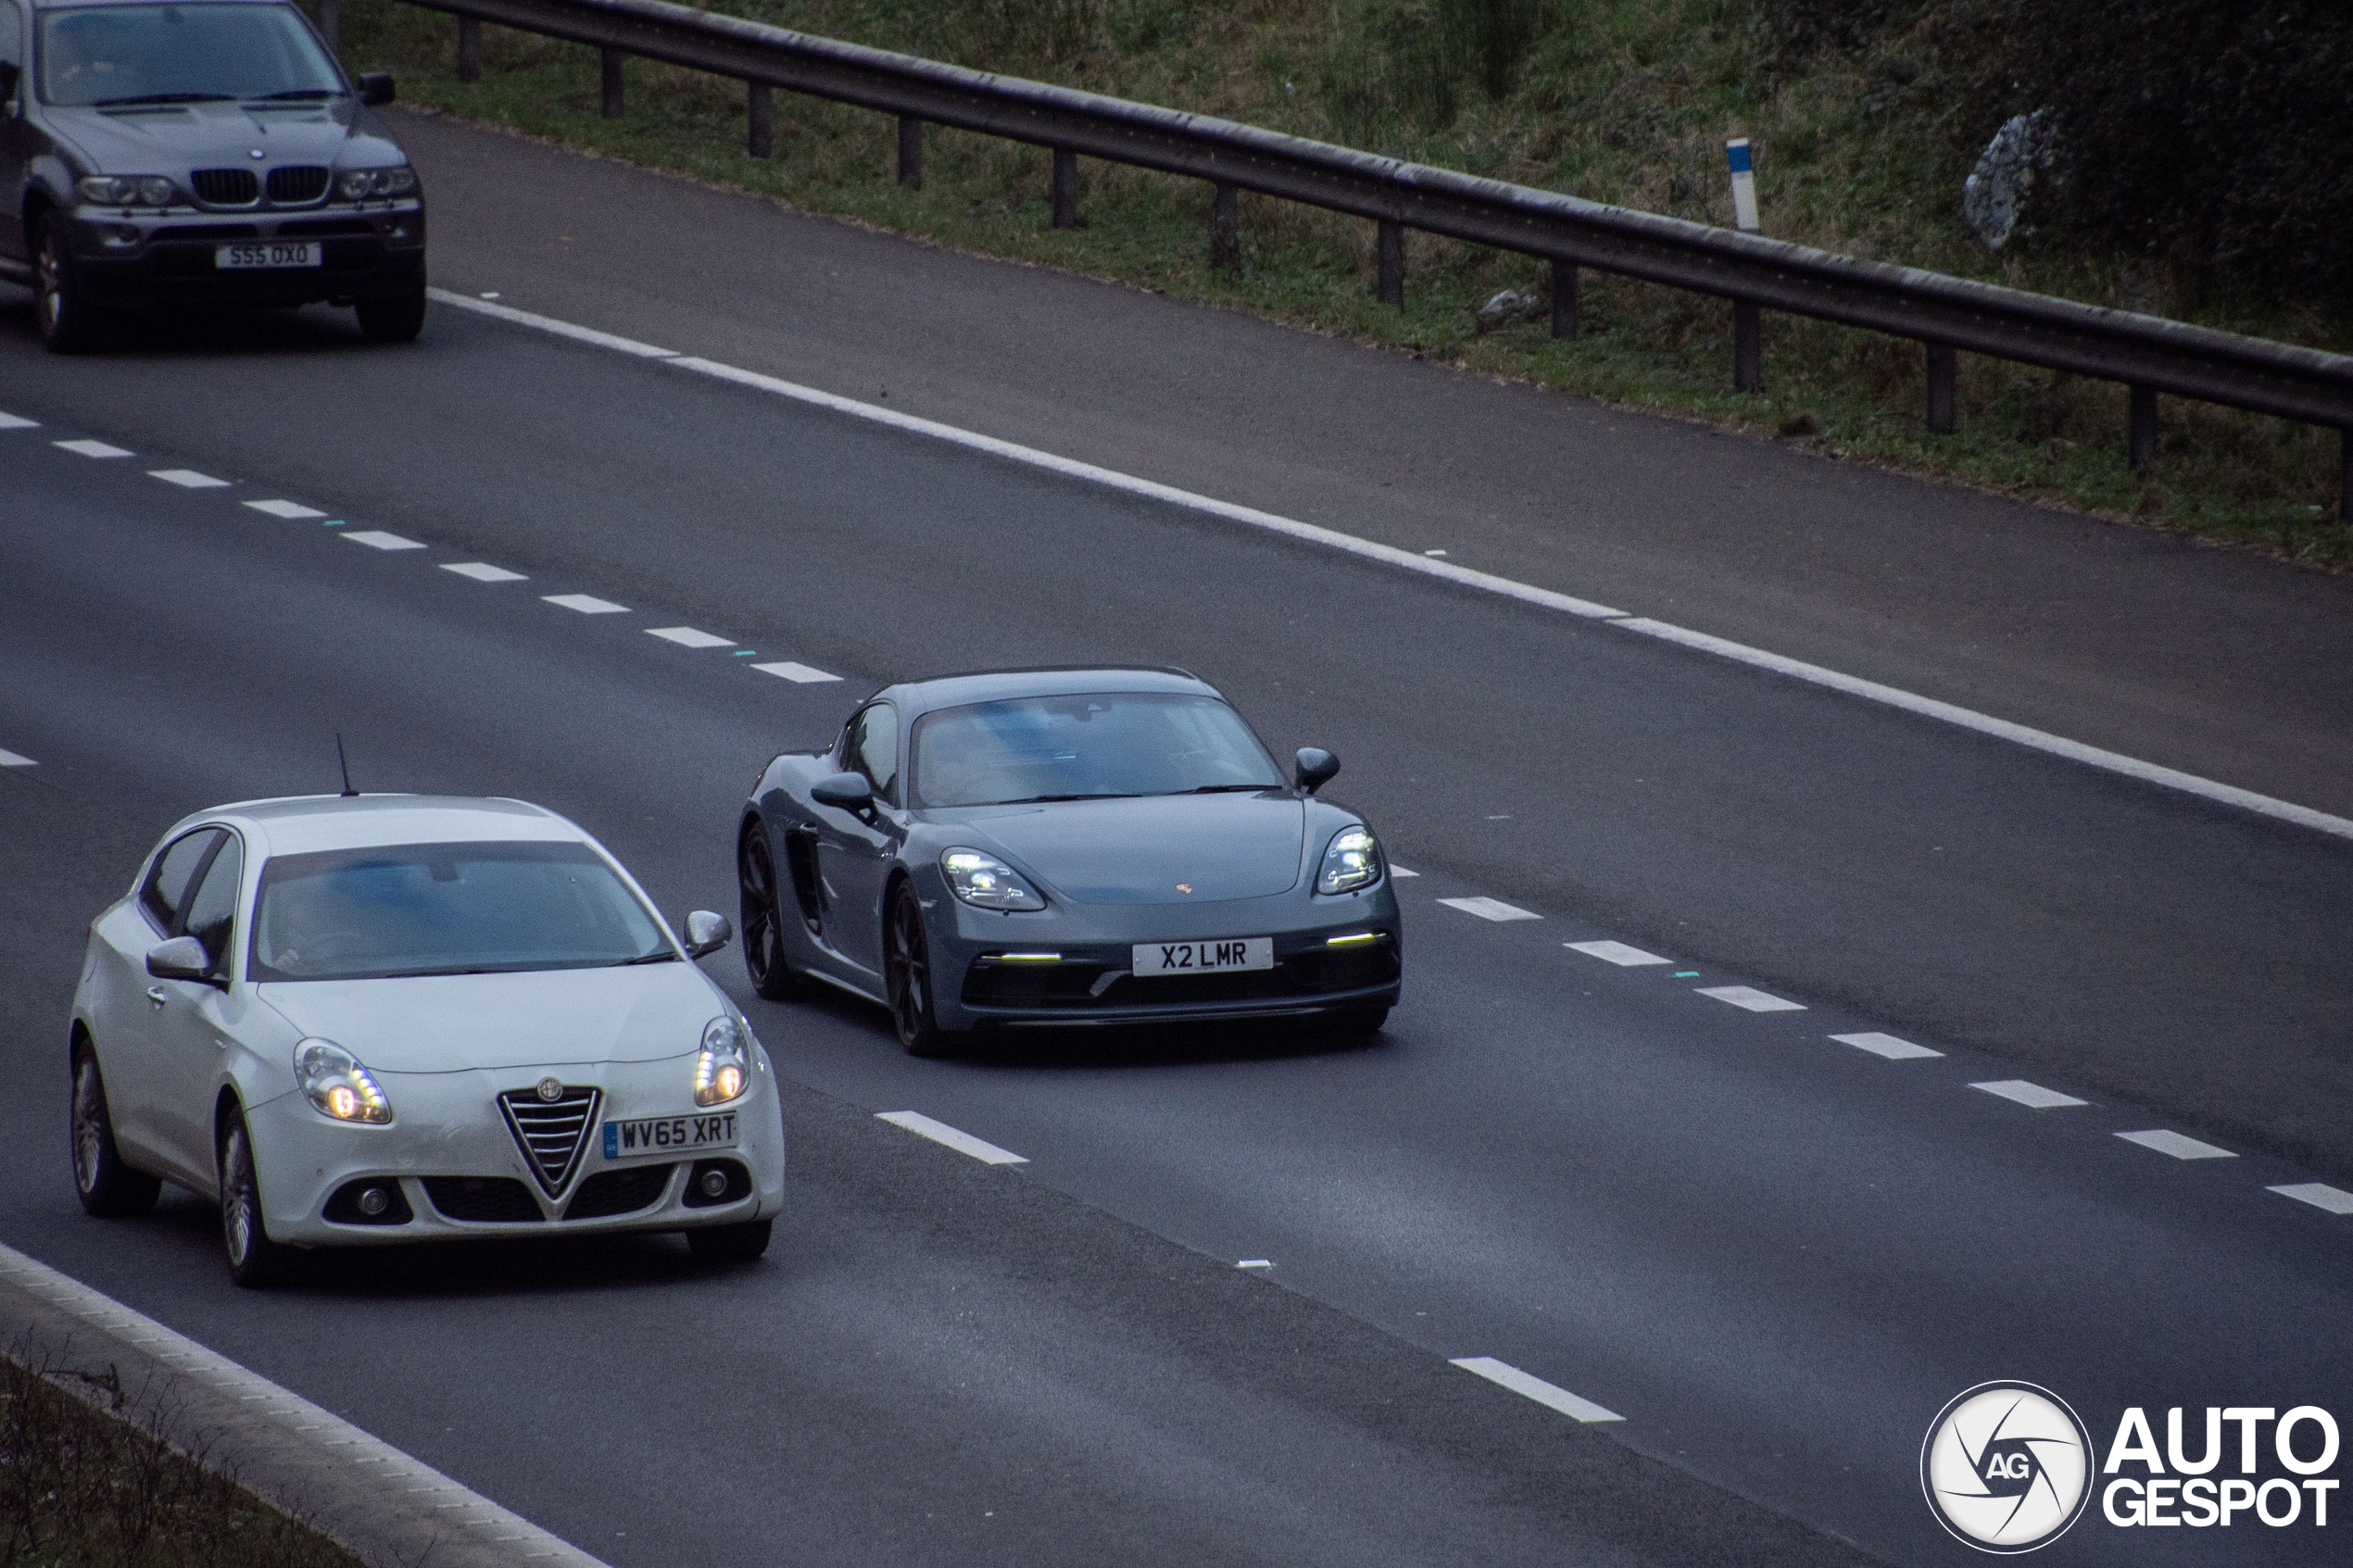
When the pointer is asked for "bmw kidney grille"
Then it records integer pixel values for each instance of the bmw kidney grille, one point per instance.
(551, 1133)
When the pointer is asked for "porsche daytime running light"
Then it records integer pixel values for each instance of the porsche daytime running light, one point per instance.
(1352, 861)
(358, 184)
(723, 1070)
(986, 883)
(127, 190)
(333, 1080)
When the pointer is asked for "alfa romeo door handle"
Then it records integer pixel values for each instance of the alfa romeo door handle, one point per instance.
(157, 995)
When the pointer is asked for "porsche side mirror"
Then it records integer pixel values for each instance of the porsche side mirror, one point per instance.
(707, 932)
(183, 958)
(1317, 767)
(844, 792)
(375, 88)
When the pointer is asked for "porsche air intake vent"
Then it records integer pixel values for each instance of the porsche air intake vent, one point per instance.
(552, 1131)
(226, 187)
(297, 184)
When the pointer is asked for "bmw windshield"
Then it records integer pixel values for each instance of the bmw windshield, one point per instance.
(115, 56)
(1096, 745)
(447, 909)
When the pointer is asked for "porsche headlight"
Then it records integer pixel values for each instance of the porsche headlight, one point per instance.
(127, 190)
(333, 1081)
(724, 1071)
(356, 184)
(990, 883)
(1352, 861)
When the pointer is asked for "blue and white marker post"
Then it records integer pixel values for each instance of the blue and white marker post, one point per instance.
(1748, 331)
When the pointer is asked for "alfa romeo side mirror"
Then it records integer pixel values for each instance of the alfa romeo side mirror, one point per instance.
(1317, 767)
(707, 932)
(844, 792)
(375, 88)
(183, 958)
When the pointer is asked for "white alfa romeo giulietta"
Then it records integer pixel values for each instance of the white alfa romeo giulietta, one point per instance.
(387, 1017)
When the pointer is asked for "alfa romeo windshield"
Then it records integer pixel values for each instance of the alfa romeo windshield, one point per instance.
(1098, 746)
(111, 55)
(447, 909)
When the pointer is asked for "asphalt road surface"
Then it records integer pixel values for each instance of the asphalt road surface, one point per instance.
(1773, 1254)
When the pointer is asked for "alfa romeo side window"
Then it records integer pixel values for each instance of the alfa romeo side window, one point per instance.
(166, 893)
(873, 749)
(212, 910)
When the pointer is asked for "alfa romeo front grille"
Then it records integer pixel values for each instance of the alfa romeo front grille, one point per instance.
(551, 1132)
(226, 187)
(297, 184)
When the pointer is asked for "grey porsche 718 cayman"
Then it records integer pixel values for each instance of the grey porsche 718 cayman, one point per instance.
(1064, 846)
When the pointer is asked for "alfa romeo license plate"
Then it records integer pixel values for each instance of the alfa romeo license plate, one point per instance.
(1204, 958)
(669, 1135)
(268, 253)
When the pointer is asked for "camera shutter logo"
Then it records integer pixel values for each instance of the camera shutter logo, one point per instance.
(2007, 1467)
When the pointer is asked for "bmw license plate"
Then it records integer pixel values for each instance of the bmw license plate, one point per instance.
(669, 1135)
(268, 253)
(1204, 958)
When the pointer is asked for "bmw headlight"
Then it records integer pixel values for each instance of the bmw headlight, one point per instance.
(127, 190)
(358, 184)
(723, 1070)
(334, 1082)
(1352, 861)
(990, 883)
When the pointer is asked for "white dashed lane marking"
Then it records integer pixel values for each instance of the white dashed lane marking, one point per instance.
(10, 759)
(687, 637)
(1751, 999)
(483, 571)
(17, 421)
(586, 603)
(2174, 1144)
(1396, 870)
(922, 1125)
(2035, 1096)
(800, 673)
(2320, 1195)
(1491, 909)
(1887, 1046)
(1617, 953)
(294, 510)
(1574, 1405)
(91, 448)
(188, 479)
(1255, 1263)
(377, 539)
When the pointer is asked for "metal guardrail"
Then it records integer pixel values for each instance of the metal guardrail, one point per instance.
(2148, 354)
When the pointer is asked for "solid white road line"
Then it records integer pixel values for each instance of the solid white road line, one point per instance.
(17, 421)
(2319, 1195)
(10, 759)
(377, 539)
(91, 448)
(2174, 1144)
(2032, 1095)
(687, 637)
(1887, 1046)
(1396, 870)
(940, 1132)
(1750, 998)
(1617, 953)
(483, 571)
(1574, 1405)
(1490, 908)
(1871, 691)
(188, 479)
(800, 674)
(586, 603)
(289, 509)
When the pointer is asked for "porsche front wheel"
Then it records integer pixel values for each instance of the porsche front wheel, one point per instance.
(763, 922)
(907, 969)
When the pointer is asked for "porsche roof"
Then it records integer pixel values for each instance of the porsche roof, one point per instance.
(1000, 685)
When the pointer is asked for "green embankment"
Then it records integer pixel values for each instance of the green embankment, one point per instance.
(1862, 142)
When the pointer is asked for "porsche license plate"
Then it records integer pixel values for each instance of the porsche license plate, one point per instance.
(268, 253)
(669, 1135)
(1204, 958)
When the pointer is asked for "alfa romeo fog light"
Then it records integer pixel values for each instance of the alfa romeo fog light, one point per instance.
(714, 1183)
(374, 1201)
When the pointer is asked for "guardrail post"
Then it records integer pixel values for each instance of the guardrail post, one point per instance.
(1389, 245)
(760, 139)
(1225, 227)
(1942, 364)
(1748, 346)
(1564, 298)
(331, 24)
(1065, 188)
(910, 152)
(2142, 446)
(470, 48)
(609, 62)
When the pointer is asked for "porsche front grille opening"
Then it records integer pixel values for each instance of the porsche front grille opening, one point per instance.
(551, 1133)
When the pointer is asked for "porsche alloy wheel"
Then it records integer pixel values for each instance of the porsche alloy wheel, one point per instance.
(763, 926)
(255, 1261)
(907, 968)
(106, 1187)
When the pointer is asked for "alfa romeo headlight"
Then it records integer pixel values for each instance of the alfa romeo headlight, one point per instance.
(723, 1070)
(356, 184)
(1352, 861)
(990, 883)
(335, 1083)
(127, 190)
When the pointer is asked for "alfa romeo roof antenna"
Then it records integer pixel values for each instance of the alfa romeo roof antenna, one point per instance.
(345, 762)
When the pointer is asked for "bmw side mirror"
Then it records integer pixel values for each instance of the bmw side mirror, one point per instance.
(375, 88)
(183, 958)
(707, 932)
(1317, 767)
(844, 792)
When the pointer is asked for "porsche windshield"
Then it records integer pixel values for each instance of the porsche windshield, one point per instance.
(1098, 746)
(447, 909)
(109, 55)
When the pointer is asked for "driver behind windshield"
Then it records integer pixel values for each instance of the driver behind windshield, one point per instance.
(112, 55)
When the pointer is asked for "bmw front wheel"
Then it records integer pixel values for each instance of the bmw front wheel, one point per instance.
(60, 308)
(106, 1187)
